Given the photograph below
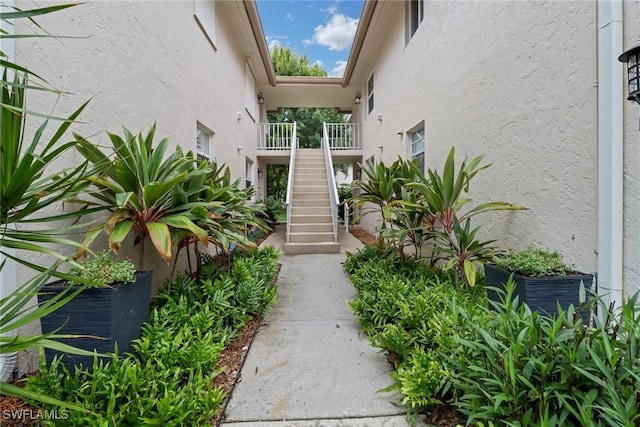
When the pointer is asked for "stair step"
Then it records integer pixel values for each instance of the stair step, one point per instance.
(315, 188)
(310, 203)
(311, 237)
(307, 219)
(326, 227)
(313, 210)
(300, 194)
(311, 248)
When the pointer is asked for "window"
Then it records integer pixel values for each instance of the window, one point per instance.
(370, 94)
(415, 14)
(248, 173)
(205, 13)
(417, 147)
(251, 97)
(203, 142)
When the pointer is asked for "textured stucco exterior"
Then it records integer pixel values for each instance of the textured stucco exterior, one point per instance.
(631, 177)
(515, 82)
(146, 62)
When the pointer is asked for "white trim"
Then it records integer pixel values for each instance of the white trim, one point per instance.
(205, 13)
(610, 151)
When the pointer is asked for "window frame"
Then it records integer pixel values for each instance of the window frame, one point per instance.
(416, 130)
(370, 91)
(203, 130)
(414, 17)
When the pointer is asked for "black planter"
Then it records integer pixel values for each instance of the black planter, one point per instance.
(541, 294)
(114, 313)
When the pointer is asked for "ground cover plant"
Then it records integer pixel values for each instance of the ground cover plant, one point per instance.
(501, 363)
(167, 381)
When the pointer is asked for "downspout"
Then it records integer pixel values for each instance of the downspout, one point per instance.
(610, 152)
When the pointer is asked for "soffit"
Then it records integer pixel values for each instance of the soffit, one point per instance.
(250, 37)
(365, 51)
(308, 92)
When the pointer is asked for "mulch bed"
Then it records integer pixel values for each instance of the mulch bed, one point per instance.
(233, 358)
(363, 236)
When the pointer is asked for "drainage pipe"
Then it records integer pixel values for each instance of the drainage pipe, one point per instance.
(610, 151)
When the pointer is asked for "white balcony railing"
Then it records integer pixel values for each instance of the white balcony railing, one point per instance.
(275, 136)
(344, 136)
(278, 136)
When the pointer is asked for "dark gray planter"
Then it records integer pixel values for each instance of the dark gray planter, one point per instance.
(540, 293)
(114, 313)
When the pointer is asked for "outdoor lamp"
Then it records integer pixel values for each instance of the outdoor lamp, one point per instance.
(260, 98)
(260, 175)
(358, 98)
(632, 58)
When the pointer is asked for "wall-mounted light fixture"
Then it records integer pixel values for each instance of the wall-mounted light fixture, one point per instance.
(632, 58)
(238, 116)
(358, 98)
(380, 117)
(260, 174)
(260, 98)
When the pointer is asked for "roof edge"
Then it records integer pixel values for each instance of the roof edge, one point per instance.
(358, 40)
(258, 33)
(305, 80)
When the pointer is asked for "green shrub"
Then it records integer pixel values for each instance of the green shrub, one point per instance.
(533, 262)
(527, 369)
(414, 314)
(102, 270)
(167, 382)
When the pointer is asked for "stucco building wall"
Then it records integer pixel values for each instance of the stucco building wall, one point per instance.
(140, 63)
(146, 62)
(515, 82)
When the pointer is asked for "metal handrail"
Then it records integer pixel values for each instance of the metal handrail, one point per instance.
(331, 181)
(292, 165)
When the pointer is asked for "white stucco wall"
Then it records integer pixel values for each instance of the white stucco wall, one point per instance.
(631, 274)
(515, 82)
(146, 62)
(140, 63)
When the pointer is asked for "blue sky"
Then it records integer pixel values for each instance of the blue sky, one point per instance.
(321, 29)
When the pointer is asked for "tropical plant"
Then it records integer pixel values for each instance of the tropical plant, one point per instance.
(383, 188)
(224, 210)
(533, 262)
(27, 188)
(102, 270)
(140, 186)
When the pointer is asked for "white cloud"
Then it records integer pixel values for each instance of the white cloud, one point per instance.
(319, 63)
(289, 16)
(338, 70)
(337, 34)
(274, 40)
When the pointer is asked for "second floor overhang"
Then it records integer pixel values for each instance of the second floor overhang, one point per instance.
(291, 92)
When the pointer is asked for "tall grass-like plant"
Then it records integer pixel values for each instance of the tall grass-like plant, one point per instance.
(27, 188)
(432, 213)
(526, 369)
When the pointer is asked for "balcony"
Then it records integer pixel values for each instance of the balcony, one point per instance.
(274, 139)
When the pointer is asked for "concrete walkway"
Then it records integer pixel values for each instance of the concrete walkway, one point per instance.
(308, 365)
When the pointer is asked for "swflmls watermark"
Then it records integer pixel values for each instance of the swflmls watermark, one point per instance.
(35, 414)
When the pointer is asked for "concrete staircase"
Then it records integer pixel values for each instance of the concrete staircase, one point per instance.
(311, 221)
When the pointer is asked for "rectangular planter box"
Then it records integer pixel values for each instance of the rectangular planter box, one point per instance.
(114, 313)
(540, 293)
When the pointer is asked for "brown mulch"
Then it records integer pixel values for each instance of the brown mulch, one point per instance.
(233, 358)
(363, 236)
(14, 412)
